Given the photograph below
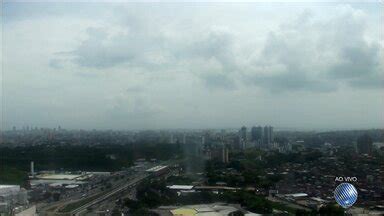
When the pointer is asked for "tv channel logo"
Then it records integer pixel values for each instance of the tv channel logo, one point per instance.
(345, 195)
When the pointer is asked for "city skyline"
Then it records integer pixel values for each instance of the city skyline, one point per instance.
(192, 65)
(233, 129)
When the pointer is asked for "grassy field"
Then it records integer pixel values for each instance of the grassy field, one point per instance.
(283, 207)
(12, 175)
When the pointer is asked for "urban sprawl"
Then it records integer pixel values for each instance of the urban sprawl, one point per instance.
(259, 170)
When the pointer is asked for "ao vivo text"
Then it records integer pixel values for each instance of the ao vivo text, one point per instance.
(345, 179)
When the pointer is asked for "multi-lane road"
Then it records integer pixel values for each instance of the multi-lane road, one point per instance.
(130, 184)
(56, 208)
(117, 191)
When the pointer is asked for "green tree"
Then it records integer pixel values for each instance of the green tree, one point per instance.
(331, 210)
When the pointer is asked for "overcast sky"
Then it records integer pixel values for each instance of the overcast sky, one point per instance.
(192, 65)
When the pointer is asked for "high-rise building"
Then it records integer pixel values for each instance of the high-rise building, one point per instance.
(172, 139)
(225, 155)
(243, 132)
(256, 133)
(243, 137)
(236, 143)
(271, 137)
(267, 136)
(220, 154)
(364, 144)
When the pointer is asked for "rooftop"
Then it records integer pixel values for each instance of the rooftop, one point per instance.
(297, 195)
(156, 168)
(214, 209)
(180, 187)
(8, 186)
(59, 176)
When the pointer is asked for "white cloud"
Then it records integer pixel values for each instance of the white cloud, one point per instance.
(176, 65)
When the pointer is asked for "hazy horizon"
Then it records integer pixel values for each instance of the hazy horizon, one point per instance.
(135, 66)
(235, 129)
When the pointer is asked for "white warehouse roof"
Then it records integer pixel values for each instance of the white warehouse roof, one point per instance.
(297, 195)
(180, 187)
(156, 168)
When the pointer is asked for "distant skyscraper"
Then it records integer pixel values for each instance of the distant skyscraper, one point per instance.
(364, 144)
(237, 143)
(184, 139)
(256, 133)
(243, 132)
(243, 137)
(220, 154)
(225, 157)
(267, 136)
(271, 138)
(172, 139)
